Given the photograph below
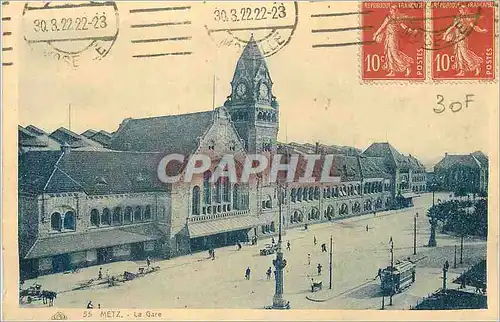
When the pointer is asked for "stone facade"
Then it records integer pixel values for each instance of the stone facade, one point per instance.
(86, 207)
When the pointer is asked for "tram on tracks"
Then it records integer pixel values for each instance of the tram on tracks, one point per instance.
(396, 278)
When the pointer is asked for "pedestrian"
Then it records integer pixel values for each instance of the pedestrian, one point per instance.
(268, 273)
(315, 240)
(107, 274)
(308, 259)
(148, 261)
(319, 269)
(213, 254)
(247, 273)
(305, 226)
(379, 274)
(90, 305)
(288, 245)
(272, 240)
(99, 275)
(323, 248)
(374, 213)
(366, 227)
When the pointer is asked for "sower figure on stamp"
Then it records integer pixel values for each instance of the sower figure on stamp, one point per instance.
(465, 59)
(390, 31)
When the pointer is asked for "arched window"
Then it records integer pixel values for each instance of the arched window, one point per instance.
(269, 202)
(299, 194)
(106, 217)
(226, 189)
(235, 197)
(117, 216)
(218, 190)
(137, 214)
(147, 212)
(207, 191)
(316, 193)
(69, 221)
(127, 217)
(94, 218)
(311, 193)
(368, 205)
(356, 207)
(55, 221)
(196, 201)
(293, 194)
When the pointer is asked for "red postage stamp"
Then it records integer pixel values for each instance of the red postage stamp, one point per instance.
(463, 40)
(393, 42)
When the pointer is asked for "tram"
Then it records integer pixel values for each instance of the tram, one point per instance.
(400, 276)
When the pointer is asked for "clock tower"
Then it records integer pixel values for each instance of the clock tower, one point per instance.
(252, 105)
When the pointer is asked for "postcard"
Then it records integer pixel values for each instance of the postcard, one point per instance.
(333, 160)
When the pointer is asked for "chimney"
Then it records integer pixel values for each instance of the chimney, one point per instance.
(65, 148)
(316, 149)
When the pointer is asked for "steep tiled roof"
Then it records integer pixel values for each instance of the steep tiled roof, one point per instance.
(392, 156)
(28, 139)
(250, 60)
(169, 134)
(482, 158)
(63, 135)
(33, 138)
(92, 172)
(323, 148)
(451, 160)
(373, 167)
(89, 133)
(101, 137)
(35, 169)
(385, 150)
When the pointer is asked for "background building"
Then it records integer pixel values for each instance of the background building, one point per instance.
(463, 173)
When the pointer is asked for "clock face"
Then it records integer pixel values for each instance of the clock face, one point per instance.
(263, 91)
(241, 89)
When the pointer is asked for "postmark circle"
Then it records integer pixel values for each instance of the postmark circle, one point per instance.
(271, 26)
(73, 32)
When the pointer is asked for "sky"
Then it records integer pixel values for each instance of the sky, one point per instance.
(319, 90)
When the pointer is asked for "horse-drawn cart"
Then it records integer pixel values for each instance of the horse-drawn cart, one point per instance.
(316, 286)
(31, 294)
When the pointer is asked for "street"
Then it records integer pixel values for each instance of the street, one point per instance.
(194, 281)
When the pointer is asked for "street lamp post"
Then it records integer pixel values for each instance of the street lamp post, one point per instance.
(331, 258)
(415, 234)
(391, 245)
(461, 248)
(445, 270)
(455, 258)
(279, 262)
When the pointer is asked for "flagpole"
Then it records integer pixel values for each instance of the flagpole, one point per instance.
(213, 93)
